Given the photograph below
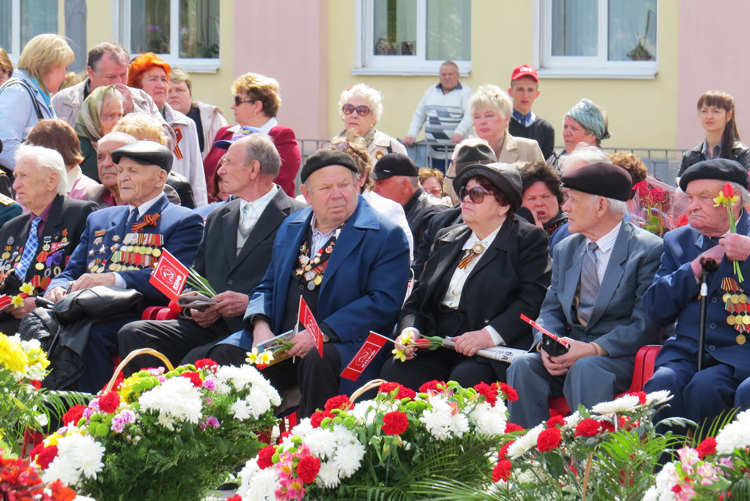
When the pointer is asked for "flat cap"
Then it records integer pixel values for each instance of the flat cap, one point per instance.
(721, 169)
(474, 154)
(146, 153)
(325, 158)
(243, 131)
(394, 164)
(504, 177)
(601, 179)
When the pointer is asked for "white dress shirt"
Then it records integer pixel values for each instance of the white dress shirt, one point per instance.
(604, 250)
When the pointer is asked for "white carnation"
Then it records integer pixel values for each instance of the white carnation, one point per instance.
(441, 422)
(489, 421)
(658, 397)
(665, 480)
(77, 455)
(572, 421)
(734, 435)
(257, 484)
(525, 443)
(240, 410)
(348, 458)
(321, 443)
(626, 403)
(328, 476)
(176, 398)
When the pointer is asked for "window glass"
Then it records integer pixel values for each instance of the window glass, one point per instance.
(449, 30)
(149, 26)
(5, 25)
(395, 28)
(574, 27)
(37, 17)
(632, 30)
(199, 28)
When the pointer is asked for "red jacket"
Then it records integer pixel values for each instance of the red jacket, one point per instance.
(286, 144)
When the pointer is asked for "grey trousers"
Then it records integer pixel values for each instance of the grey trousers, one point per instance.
(591, 380)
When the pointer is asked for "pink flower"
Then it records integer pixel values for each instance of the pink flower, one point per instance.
(688, 457)
(302, 451)
(727, 462)
(156, 371)
(291, 489)
(284, 467)
(209, 384)
(707, 473)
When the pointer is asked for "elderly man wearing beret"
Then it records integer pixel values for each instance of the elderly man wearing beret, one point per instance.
(121, 244)
(674, 297)
(595, 301)
(351, 266)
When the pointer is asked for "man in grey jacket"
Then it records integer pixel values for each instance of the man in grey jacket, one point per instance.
(595, 300)
(107, 65)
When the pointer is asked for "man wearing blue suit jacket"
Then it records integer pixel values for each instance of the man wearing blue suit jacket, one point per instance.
(351, 265)
(120, 246)
(599, 277)
(674, 297)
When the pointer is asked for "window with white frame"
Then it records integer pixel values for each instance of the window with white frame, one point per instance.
(597, 38)
(22, 20)
(182, 32)
(412, 36)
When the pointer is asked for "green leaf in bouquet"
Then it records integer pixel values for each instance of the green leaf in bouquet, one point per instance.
(555, 465)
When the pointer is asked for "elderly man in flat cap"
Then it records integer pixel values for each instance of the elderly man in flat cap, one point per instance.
(674, 297)
(121, 244)
(351, 266)
(595, 301)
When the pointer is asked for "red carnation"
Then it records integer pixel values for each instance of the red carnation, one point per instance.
(555, 421)
(319, 416)
(510, 394)
(707, 447)
(34, 452)
(549, 439)
(395, 423)
(205, 362)
(504, 450)
(490, 395)
(501, 471)
(339, 402)
(236, 497)
(641, 396)
(511, 427)
(109, 402)
(46, 456)
(265, 457)
(434, 386)
(73, 415)
(607, 426)
(587, 428)
(194, 378)
(403, 392)
(308, 469)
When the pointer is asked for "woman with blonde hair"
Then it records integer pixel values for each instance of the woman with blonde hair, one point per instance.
(6, 66)
(491, 110)
(361, 107)
(25, 99)
(256, 104)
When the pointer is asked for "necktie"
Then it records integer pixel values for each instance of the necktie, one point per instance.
(29, 251)
(589, 283)
(245, 220)
(132, 218)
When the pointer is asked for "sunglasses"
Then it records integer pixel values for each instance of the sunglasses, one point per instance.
(476, 195)
(362, 111)
(238, 100)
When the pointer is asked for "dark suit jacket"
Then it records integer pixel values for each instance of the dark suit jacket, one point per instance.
(674, 297)
(510, 279)
(181, 228)
(362, 290)
(619, 322)
(64, 226)
(217, 260)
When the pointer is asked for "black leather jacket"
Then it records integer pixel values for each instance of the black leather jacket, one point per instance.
(182, 186)
(740, 152)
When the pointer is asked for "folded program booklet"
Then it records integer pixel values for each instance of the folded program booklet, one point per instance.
(274, 344)
(195, 301)
(500, 353)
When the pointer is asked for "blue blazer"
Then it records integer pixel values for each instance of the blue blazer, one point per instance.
(362, 290)
(673, 297)
(181, 228)
(619, 322)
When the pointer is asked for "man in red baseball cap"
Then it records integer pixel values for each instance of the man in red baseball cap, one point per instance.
(524, 89)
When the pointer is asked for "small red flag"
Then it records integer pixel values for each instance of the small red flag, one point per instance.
(169, 275)
(307, 319)
(364, 356)
(4, 301)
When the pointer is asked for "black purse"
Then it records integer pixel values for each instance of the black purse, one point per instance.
(101, 301)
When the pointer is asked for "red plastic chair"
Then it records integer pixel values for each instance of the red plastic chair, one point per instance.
(642, 372)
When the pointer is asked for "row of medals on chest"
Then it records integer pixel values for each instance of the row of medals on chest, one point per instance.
(97, 266)
(736, 303)
(16, 256)
(311, 269)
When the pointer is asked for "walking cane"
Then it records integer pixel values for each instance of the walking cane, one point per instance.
(708, 266)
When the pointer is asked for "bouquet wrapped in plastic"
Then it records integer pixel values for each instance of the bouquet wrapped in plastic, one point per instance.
(658, 207)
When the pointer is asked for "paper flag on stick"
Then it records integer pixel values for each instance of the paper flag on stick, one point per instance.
(169, 275)
(364, 356)
(307, 319)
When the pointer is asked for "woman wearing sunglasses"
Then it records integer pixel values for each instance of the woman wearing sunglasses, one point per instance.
(256, 103)
(481, 276)
(360, 108)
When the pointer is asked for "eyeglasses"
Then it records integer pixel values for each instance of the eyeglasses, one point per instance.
(238, 100)
(476, 195)
(362, 111)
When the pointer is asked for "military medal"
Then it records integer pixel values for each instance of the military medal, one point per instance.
(312, 269)
(736, 304)
(741, 339)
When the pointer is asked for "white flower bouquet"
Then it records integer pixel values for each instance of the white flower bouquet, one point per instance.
(161, 434)
(391, 447)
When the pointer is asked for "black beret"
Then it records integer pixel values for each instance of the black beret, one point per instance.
(721, 169)
(146, 153)
(474, 154)
(394, 164)
(504, 177)
(324, 158)
(601, 179)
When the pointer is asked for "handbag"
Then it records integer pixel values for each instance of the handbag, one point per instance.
(101, 301)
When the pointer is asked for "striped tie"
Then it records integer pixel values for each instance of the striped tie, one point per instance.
(29, 251)
(589, 283)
